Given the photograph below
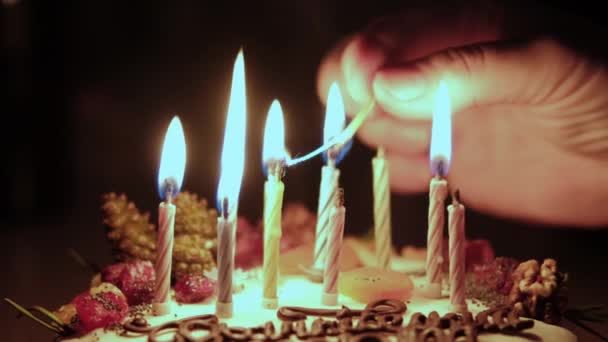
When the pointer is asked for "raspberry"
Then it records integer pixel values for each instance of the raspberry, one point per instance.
(100, 307)
(193, 288)
(496, 275)
(136, 279)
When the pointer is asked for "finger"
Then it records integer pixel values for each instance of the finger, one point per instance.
(408, 174)
(330, 72)
(405, 138)
(475, 76)
(410, 35)
(360, 60)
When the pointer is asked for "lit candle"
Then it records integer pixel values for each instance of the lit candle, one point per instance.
(274, 157)
(170, 176)
(457, 254)
(440, 153)
(382, 213)
(334, 124)
(232, 165)
(334, 247)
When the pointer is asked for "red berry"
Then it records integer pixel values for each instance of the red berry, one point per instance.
(193, 288)
(112, 272)
(100, 307)
(496, 275)
(136, 279)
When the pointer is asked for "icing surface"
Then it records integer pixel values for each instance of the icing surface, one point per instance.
(299, 291)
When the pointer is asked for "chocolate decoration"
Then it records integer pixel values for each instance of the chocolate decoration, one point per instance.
(375, 323)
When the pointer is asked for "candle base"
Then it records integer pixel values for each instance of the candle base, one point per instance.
(223, 310)
(270, 303)
(329, 299)
(161, 309)
(430, 290)
(459, 308)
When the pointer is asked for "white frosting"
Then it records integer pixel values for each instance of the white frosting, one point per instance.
(299, 291)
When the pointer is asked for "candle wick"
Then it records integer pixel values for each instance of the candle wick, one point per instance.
(225, 208)
(276, 168)
(456, 197)
(169, 187)
(380, 153)
(440, 168)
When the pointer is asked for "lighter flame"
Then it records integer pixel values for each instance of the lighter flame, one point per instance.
(173, 156)
(233, 153)
(274, 134)
(335, 117)
(441, 133)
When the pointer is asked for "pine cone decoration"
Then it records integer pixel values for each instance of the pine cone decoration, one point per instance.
(134, 237)
(193, 217)
(193, 254)
(130, 232)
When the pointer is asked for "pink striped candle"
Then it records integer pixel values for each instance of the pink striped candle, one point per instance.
(164, 253)
(334, 247)
(457, 255)
(170, 176)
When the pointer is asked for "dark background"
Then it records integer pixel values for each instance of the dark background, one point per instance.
(90, 87)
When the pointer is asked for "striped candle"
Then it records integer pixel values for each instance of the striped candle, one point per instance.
(225, 265)
(456, 213)
(334, 247)
(382, 213)
(164, 254)
(434, 253)
(327, 195)
(273, 203)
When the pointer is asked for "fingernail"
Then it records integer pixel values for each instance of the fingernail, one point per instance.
(400, 86)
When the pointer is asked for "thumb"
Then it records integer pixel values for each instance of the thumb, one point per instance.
(476, 75)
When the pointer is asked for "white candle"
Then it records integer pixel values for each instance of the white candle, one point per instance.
(332, 267)
(225, 263)
(382, 212)
(274, 156)
(334, 124)
(456, 213)
(170, 176)
(330, 176)
(434, 253)
(232, 166)
(440, 155)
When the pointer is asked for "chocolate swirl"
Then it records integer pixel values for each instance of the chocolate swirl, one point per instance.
(378, 321)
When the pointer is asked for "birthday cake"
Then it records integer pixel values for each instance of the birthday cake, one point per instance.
(507, 300)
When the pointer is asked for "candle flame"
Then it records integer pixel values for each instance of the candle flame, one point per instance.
(334, 114)
(274, 134)
(233, 153)
(172, 160)
(441, 133)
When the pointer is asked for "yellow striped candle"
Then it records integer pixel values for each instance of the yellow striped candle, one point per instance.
(457, 255)
(334, 247)
(440, 155)
(274, 155)
(335, 119)
(382, 212)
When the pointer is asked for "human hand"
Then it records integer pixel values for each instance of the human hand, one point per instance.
(530, 108)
